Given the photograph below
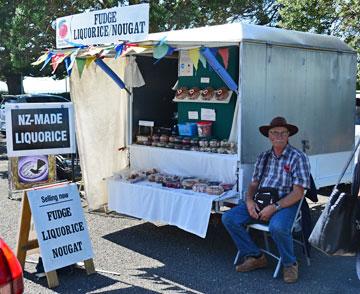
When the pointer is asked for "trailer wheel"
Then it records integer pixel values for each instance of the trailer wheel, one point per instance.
(356, 180)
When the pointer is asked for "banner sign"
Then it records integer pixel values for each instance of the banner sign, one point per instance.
(39, 128)
(60, 226)
(106, 26)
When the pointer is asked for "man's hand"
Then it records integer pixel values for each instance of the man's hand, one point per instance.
(251, 207)
(267, 213)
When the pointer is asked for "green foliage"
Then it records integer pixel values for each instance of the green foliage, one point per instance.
(318, 16)
(180, 14)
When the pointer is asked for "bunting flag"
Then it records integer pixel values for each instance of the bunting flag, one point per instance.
(80, 62)
(136, 49)
(194, 55)
(92, 51)
(56, 60)
(146, 46)
(170, 50)
(214, 50)
(67, 61)
(76, 45)
(47, 60)
(160, 51)
(89, 61)
(41, 59)
(202, 60)
(72, 58)
(162, 41)
(224, 53)
(219, 69)
(104, 53)
(118, 50)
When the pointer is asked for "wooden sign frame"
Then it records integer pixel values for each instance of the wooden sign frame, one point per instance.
(24, 244)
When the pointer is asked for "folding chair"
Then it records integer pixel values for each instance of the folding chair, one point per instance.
(296, 227)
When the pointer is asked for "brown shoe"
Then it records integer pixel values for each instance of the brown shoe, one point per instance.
(252, 263)
(291, 273)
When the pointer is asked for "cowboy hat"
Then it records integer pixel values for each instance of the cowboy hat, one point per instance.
(278, 122)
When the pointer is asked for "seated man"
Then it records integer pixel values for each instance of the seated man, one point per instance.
(288, 170)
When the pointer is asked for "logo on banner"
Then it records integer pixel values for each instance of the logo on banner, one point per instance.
(62, 29)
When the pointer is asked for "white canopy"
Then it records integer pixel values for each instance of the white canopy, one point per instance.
(234, 33)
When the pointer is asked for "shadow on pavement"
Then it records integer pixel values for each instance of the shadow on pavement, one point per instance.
(189, 261)
(79, 278)
(193, 264)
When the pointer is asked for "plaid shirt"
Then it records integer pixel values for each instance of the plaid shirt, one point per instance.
(292, 167)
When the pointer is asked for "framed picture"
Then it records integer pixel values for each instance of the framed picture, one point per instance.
(31, 171)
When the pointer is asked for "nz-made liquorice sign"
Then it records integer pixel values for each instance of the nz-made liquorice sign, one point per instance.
(39, 129)
(60, 226)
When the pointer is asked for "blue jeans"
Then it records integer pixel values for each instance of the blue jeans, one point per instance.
(280, 225)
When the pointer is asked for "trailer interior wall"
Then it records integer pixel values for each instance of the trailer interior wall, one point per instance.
(313, 89)
(153, 101)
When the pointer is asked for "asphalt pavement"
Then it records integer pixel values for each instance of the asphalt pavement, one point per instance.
(133, 256)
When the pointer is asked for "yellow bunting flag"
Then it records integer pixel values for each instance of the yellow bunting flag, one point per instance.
(194, 55)
(89, 61)
(146, 46)
(41, 59)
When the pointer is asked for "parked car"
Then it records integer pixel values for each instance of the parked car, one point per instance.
(26, 98)
(11, 274)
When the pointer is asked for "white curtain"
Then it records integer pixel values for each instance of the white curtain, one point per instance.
(133, 77)
(101, 126)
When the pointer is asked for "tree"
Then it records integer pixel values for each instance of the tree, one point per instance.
(26, 31)
(336, 17)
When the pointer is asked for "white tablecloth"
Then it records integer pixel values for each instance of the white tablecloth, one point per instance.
(211, 166)
(185, 209)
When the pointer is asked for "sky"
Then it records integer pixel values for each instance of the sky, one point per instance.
(41, 85)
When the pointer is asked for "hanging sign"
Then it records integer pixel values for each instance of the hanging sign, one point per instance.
(39, 128)
(60, 226)
(106, 26)
(186, 66)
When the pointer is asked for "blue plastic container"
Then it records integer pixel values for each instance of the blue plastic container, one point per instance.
(188, 129)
